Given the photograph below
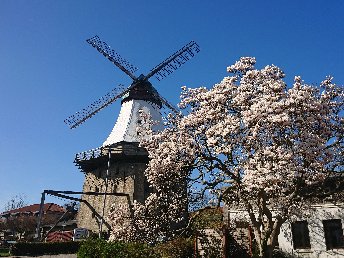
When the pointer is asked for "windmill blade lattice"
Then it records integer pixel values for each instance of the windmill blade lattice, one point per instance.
(172, 63)
(84, 114)
(114, 57)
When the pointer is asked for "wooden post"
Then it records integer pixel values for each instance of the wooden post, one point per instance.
(250, 238)
(40, 215)
(104, 196)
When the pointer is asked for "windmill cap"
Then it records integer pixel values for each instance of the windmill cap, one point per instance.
(143, 90)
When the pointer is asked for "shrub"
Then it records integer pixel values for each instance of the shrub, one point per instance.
(4, 252)
(207, 217)
(138, 250)
(22, 248)
(177, 248)
(99, 248)
(92, 248)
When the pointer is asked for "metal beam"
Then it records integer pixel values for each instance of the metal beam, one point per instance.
(61, 194)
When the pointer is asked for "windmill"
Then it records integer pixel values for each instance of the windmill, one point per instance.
(140, 85)
(118, 166)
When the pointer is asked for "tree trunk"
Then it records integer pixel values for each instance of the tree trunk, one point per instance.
(267, 251)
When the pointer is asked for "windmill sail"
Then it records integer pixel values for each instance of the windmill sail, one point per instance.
(81, 116)
(172, 63)
(167, 104)
(114, 57)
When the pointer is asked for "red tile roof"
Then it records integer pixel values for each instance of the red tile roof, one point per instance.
(34, 208)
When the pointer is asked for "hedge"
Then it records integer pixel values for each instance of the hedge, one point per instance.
(99, 248)
(4, 252)
(33, 249)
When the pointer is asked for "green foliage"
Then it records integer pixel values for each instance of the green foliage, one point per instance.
(177, 248)
(205, 223)
(99, 248)
(22, 248)
(207, 218)
(137, 250)
(92, 248)
(4, 252)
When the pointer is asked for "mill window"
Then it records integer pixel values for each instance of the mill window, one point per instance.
(300, 235)
(333, 234)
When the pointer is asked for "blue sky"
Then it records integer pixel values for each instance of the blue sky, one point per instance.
(48, 71)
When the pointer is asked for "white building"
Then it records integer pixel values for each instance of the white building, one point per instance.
(317, 235)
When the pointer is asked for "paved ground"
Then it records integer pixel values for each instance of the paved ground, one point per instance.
(49, 256)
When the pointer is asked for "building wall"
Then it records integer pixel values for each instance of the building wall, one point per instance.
(316, 215)
(125, 177)
(315, 219)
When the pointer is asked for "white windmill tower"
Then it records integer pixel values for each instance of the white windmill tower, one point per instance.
(114, 172)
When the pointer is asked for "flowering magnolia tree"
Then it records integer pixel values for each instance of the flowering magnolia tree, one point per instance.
(249, 139)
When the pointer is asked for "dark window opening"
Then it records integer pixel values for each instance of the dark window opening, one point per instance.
(333, 234)
(300, 235)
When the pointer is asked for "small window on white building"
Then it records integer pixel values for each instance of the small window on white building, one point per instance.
(300, 235)
(333, 234)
